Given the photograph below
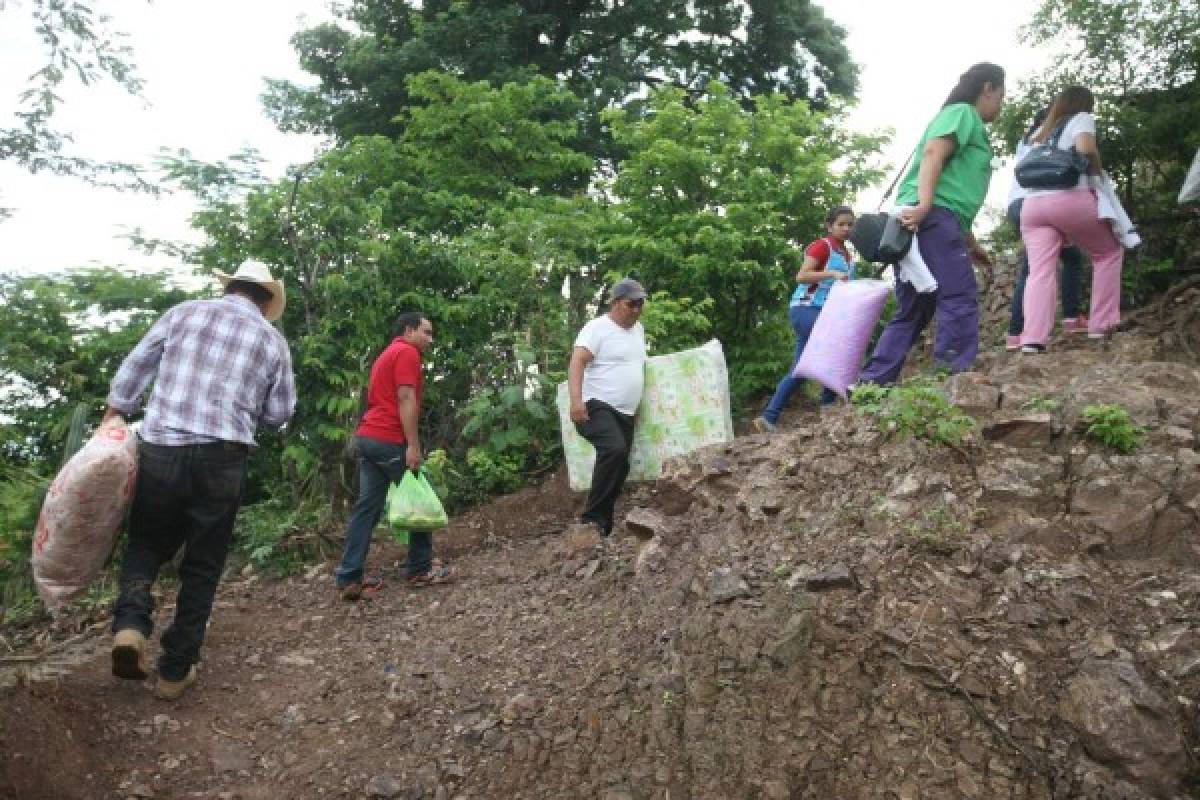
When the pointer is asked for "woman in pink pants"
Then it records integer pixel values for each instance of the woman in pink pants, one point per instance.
(1053, 218)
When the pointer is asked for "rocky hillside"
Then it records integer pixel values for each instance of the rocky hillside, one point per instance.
(830, 612)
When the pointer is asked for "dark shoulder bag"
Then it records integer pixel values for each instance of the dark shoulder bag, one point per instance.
(879, 237)
(1048, 166)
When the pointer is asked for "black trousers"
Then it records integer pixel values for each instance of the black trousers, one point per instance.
(186, 496)
(611, 433)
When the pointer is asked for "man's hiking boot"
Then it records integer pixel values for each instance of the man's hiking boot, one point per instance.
(173, 690)
(129, 655)
(353, 592)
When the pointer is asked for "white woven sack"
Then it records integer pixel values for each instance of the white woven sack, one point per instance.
(685, 405)
(82, 513)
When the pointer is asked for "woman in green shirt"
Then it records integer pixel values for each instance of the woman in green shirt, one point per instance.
(945, 189)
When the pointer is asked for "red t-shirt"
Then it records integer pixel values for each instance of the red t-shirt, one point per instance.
(398, 365)
(820, 251)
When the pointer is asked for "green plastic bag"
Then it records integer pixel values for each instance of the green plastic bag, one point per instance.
(413, 505)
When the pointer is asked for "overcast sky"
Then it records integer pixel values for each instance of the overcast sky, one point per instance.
(204, 65)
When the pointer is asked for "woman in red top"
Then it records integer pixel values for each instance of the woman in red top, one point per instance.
(825, 261)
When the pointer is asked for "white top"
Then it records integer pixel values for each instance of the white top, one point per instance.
(616, 373)
(1081, 123)
(1016, 191)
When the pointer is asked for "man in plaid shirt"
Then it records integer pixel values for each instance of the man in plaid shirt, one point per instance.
(219, 370)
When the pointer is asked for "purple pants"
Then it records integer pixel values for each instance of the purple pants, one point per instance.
(955, 305)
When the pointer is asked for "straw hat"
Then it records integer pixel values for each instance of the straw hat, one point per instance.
(258, 272)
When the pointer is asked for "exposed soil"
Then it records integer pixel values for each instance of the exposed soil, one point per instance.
(826, 613)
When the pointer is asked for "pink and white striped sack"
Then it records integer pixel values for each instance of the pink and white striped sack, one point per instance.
(834, 353)
(82, 513)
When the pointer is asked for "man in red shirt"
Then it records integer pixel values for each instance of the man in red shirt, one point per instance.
(388, 444)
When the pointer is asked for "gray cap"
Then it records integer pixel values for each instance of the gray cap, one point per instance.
(627, 289)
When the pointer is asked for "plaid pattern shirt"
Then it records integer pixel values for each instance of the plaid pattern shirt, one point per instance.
(219, 369)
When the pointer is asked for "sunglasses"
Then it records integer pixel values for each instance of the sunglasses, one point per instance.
(636, 303)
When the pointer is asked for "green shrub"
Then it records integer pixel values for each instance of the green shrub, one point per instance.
(277, 538)
(1112, 426)
(21, 492)
(1045, 404)
(916, 408)
(939, 531)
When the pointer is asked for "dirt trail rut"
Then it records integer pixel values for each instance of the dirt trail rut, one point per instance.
(828, 612)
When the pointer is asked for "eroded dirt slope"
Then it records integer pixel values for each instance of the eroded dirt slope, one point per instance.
(828, 612)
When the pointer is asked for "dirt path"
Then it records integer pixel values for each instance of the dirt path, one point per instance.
(736, 642)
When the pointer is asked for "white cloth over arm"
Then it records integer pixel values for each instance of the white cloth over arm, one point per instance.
(1190, 192)
(913, 269)
(1108, 207)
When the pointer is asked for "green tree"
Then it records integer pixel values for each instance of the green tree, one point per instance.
(1141, 58)
(79, 44)
(604, 52)
(717, 201)
(485, 214)
(475, 215)
(61, 340)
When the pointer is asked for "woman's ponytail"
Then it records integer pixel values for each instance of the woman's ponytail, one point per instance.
(971, 83)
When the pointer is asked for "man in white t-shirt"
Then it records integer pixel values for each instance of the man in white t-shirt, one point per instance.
(604, 382)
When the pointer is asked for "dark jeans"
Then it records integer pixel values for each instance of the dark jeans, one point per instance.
(186, 495)
(802, 318)
(380, 464)
(611, 433)
(1072, 278)
(955, 305)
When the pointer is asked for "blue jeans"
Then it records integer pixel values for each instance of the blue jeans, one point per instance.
(380, 464)
(1072, 278)
(802, 318)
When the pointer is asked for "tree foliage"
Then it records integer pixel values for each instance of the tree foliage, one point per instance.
(1141, 58)
(718, 201)
(472, 180)
(604, 52)
(61, 340)
(81, 45)
(487, 214)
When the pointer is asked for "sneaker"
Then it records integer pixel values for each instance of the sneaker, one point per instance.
(1075, 324)
(763, 426)
(173, 690)
(1033, 348)
(129, 655)
(1012, 342)
(434, 577)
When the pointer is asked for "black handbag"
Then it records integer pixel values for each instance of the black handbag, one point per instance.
(880, 238)
(1048, 166)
